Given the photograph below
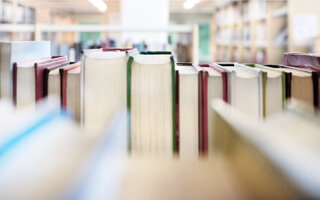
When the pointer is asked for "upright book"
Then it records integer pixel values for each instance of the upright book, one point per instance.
(190, 120)
(299, 83)
(214, 85)
(70, 89)
(273, 90)
(103, 87)
(310, 63)
(245, 89)
(11, 52)
(151, 103)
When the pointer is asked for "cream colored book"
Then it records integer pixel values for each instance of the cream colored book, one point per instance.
(189, 124)
(103, 88)
(273, 84)
(151, 103)
(245, 89)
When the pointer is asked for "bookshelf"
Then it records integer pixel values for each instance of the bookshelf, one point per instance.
(257, 31)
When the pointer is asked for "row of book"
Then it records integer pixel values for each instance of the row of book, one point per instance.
(167, 102)
(168, 110)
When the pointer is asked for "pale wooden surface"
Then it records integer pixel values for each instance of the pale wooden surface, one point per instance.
(173, 179)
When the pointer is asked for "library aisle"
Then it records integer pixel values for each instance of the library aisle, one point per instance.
(159, 99)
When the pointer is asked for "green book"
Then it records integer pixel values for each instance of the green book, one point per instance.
(151, 80)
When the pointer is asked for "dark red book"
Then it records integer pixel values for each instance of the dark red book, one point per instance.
(46, 73)
(209, 91)
(28, 77)
(64, 81)
(40, 68)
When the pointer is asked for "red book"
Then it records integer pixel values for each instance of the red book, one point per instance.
(212, 84)
(64, 81)
(46, 73)
(28, 79)
(40, 68)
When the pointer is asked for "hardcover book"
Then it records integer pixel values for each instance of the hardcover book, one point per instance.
(151, 103)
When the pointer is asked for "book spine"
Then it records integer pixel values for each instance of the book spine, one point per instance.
(200, 112)
(264, 93)
(173, 77)
(205, 112)
(225, 86)
(129, 66)
(288, 85)
(315, 80)
(63, 89)
(177, 112)
(45, 82)
(14, 83)
(38, 81)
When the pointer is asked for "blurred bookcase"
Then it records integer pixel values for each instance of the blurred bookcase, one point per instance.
(258, 31)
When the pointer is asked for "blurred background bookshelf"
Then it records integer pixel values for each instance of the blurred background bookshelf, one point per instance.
(21, 20)
(260, 31)
(232, 30)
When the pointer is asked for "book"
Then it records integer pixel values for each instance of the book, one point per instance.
(245, 89)
(151, 103)
(288, 78)
(51, 80)
(300, 84)
(273, 90)
(189, 93)
(310, 63)
(103, 87)
(214, 86)
(281, 152)
(48, 146)
(70, 89)
(16, 51)
(28, 83)
(302, 59)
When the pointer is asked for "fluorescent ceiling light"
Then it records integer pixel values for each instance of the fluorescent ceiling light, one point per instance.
(188, 4)
(99, 4)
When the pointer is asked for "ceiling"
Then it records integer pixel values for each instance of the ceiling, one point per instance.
(84, 6)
